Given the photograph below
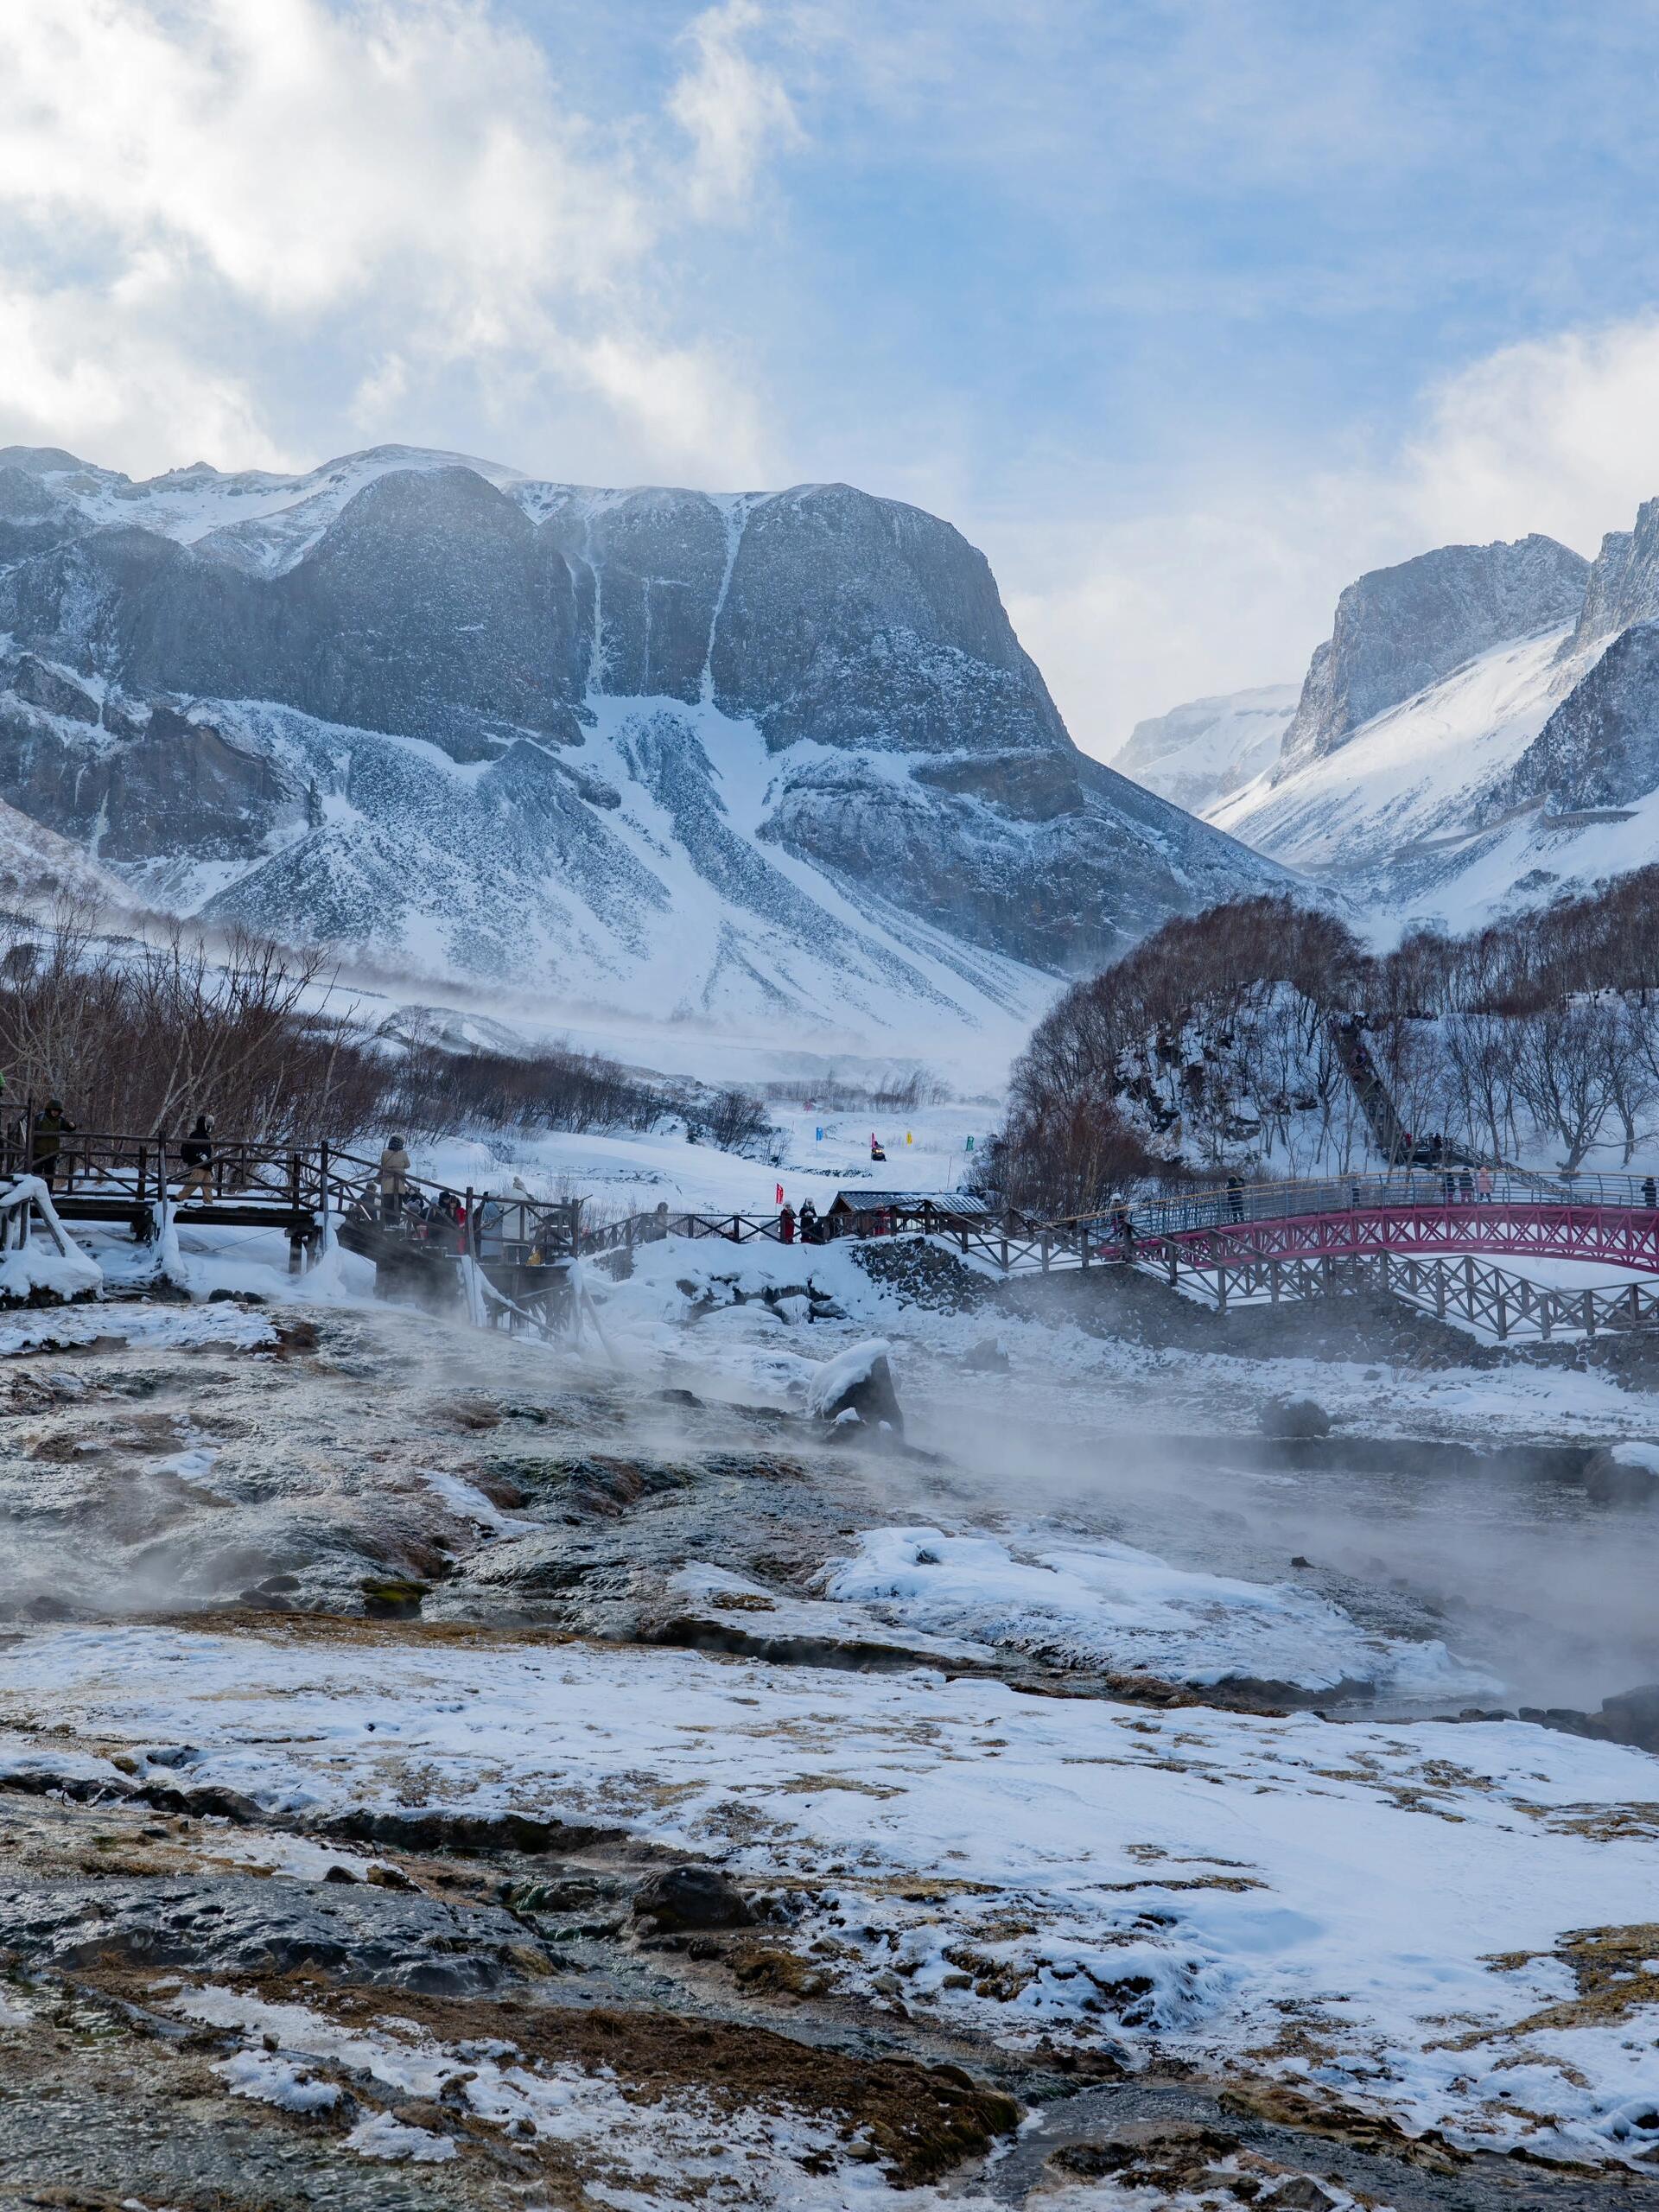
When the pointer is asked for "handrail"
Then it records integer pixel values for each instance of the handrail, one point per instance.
(308, 1180)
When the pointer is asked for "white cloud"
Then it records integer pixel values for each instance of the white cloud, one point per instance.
(1234, 580)
(734, 110)
(397, 187)
(134, 391)
(1560, 435)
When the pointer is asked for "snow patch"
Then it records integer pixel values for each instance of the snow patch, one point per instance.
(1110, 1605)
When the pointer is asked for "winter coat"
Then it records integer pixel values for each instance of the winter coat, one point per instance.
(50, 1130)
(197, 1150)
(394, 1172)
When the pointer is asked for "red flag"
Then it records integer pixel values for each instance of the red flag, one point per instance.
(777, 1198)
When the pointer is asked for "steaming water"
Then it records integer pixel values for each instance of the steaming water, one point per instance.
(1517, 1571)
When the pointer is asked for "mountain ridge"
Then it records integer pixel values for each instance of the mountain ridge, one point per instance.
(1528, 768)
(765, 754)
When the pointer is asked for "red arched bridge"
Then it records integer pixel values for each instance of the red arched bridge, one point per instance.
(1429, 1236)
(1436, 1237)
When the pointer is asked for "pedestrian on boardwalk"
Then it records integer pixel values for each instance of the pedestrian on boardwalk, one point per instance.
(394, 1179)
(1484, 1184)
(810, 1232)
(785, 1224)
(51, 1125)
(196, 1155)
(1649, 1191)
(1236, 1198)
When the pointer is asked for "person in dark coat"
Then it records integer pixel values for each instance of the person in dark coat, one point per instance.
(809, 1231)
(196, 1154)
(1236, 1198)
(51, 1125)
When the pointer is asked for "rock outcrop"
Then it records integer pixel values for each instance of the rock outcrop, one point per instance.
(1400, 629)
(1622, 585)
(1600, 747)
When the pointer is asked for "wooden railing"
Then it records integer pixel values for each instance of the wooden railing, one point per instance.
(1467, 1289)
(306, 1188)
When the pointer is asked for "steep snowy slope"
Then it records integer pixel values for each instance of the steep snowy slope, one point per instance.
(1399, 629)
(1529, 768)
(1369, 814)
(764, 756)
(38, 869)
(1199, 753)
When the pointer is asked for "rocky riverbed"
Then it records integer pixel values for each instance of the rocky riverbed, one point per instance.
(440, 1771)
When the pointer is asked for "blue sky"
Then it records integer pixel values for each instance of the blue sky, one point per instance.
(1186, 313)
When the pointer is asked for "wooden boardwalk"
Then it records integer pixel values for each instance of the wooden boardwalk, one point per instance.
(1430, 1236)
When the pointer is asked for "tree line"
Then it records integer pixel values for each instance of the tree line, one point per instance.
(136, 1038)
(1215, 1044)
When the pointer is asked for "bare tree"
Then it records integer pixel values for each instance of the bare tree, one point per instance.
(1563, 1071)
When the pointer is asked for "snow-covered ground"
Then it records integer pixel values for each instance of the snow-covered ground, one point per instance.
(37, 1257)
(1115, 1607)
(1383, 1913)
(927, 1146)
(1414, 1917)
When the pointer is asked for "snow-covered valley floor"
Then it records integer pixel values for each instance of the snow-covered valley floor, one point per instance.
(363, 1677)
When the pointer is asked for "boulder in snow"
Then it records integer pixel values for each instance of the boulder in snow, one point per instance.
(858, 1382)
(692, 1897)
(1294, 1420)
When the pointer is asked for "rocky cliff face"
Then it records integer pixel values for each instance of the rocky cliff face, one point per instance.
(1600, 746)
(1623, 587)
(762, 751)
(1399, 629)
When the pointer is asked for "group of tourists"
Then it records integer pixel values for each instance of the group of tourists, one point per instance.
(443, 1220)
(400, 1204)
(812, 1227)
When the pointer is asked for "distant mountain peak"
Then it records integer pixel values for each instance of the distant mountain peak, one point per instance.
(1199, 752)
(1401, 629)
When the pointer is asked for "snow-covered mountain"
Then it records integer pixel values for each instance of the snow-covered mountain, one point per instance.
(1399, 630)
(1199, 752)
(1527, 766)
(763, 757)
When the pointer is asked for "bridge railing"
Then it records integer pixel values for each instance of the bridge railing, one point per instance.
(303, 1183)
(137, 1170)
(1218, 1206)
